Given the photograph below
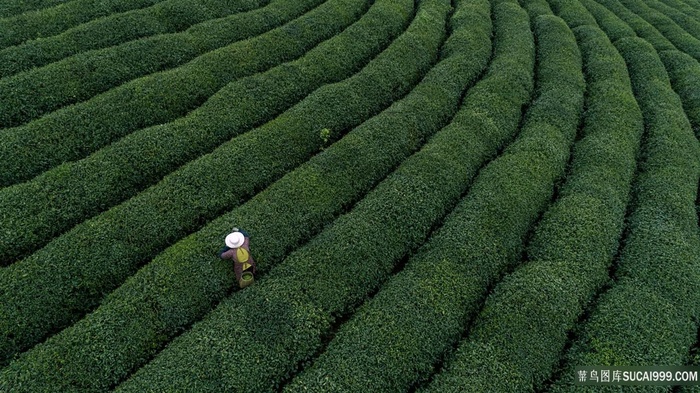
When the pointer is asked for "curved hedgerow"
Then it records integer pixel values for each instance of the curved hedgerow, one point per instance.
(666, 26)
(610, 23)
(524, 323)
(99, 349)
(146, 224)
(49, 204)
(536, 8)
(573, 12)
(684, 72)
(73, 132)
(693, 3)
(116, 30)
(485, 235)
(649, 316)
(29, 150)
(10, 8)
(672, 158)
(643, 28)
(55, 19)
(153, 99)
(340, 267)
(38, 91)
(687, 22)
(421, 312)
(686, 6)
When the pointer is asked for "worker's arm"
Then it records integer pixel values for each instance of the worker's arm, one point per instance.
(222, 251)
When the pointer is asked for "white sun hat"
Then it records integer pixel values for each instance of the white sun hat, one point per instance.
(235, 239)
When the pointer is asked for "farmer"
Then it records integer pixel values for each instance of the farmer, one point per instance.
(237, 249)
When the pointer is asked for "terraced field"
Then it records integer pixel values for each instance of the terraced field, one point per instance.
(442, 196)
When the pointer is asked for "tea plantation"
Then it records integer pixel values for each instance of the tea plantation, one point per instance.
(441, 195)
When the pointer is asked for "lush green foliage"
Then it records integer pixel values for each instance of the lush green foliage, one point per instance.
(682, 19)
(49, 204)
(138, 229)
(53, 20)
(523, 326)
(649, 315)
(573, 12)
(690, 7)
(684, 72)
(666, 26)
(33, 93)
(201, 190)
(9, 8)
(613, 26)
(420, 222)
(154, 99)
(536, 8)
(29, 150)
(348, 260)
(115, 30)
(693, 3)
(526, 174)
(643, 28)
(421, 312)
(320, 189)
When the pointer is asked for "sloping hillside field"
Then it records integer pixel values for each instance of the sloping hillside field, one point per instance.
(441, 195)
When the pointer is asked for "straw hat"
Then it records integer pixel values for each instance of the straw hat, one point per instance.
(234, 240)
